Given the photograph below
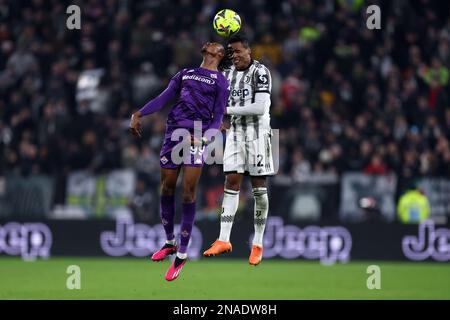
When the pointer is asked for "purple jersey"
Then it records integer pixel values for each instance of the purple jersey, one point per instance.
(203, 95)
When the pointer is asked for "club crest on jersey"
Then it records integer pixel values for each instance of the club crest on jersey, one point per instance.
(214, 76)
(248, 79)
(164, 160)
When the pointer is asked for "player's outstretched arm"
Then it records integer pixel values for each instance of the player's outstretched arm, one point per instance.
(155, 105)
(158, 103)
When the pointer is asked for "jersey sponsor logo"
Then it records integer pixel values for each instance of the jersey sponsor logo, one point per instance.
(199, 78)
(240, 93)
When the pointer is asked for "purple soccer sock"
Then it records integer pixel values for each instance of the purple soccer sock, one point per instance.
(186, 225)
(168, 215)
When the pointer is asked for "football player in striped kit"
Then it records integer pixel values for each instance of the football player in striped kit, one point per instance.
(248, 148)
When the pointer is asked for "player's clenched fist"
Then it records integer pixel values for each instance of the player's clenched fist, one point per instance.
(135, 125)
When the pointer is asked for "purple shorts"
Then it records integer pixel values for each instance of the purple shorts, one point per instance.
(174, 154)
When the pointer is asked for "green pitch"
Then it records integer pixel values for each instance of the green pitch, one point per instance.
(215, 278)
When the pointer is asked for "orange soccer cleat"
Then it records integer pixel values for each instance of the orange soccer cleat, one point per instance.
(256, 255)
(218, 247)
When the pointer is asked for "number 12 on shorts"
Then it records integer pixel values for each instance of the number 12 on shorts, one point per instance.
(257, 160)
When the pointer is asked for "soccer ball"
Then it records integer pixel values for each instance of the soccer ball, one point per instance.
(226, 22)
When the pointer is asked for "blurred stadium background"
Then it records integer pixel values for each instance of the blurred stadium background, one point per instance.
(364, 120)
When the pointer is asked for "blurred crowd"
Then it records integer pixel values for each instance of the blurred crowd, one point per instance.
(345, 98)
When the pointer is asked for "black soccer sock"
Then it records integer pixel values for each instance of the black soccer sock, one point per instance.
(179, 261)
(168, 246)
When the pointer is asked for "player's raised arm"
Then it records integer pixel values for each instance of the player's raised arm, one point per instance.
(155, 104)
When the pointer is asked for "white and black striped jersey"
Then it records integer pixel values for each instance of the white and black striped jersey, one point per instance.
(244, 84)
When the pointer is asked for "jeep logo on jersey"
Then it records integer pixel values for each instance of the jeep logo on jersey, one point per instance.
(198, 78)
(240, 93)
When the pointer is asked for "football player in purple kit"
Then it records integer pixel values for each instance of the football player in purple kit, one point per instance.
(203, 93)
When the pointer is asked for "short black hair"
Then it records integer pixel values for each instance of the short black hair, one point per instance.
(225, 63)
(239, 38)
